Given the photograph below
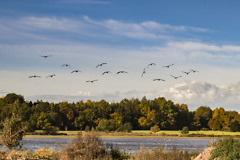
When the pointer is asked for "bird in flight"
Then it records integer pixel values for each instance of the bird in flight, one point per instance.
(92, 80)
(186, 72)
(167, 66)
(158, 79)
(100, 64)
(194, 71)
(144, 71)
(151, 64)
(46, 56)
(176, 77)
(106, 72)
(51, 75)
(34, 76)
(65, 65)
(121, 72)
(76, 71)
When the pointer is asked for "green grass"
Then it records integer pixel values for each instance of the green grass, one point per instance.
(190, 132)
(142, 134)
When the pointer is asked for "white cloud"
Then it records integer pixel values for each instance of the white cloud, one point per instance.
(205, 93)
(147, 29)
(52, 27)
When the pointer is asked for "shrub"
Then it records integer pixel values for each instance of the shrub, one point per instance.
(226, 149)
(185, 130)
(52, 130)
(85, 146)
(12, 132)
(155, 128)
(87, 129)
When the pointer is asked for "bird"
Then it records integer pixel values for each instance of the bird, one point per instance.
(186, 72)
(92, 80)
(100, 65)
(194, 71)
(106, 72)
(51, 75)
(76, 71)
(167, 66)
(144, 71)
(34, 76)
(46, 56)
(158, 79)
(65, 65)
(121, 72)
(151, 64)
(176, 77)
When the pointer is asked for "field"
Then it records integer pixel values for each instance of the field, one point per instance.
(145, 133)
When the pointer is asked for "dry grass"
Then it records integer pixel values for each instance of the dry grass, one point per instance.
(162, 154)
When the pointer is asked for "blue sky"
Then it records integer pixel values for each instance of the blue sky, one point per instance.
(128, 35)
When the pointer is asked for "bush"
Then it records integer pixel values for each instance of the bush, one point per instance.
(155, 128)
(12, 132)
(226, 149)
(87, 129)
(52, 130)
(89, 146)
(185, 130)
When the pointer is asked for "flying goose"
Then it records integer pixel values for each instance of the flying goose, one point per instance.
(92, 80)
(100, 64)
(51, 75)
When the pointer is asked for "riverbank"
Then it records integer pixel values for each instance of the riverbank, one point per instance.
(141, 134)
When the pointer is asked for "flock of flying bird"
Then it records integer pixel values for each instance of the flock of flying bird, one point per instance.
(119, 72)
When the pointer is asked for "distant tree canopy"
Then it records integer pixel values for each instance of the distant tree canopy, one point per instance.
(125, 115)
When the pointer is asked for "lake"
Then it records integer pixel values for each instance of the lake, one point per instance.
(128, 144)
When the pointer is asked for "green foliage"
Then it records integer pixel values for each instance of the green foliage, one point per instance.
(106, 125)
(87, 129)
(12, 97)
(155, 128)
(140, 114)
(226, 149)
(185, 130)
(126, 127)
(51, 130)
(201, 117)
(12, 132)
(234, 126)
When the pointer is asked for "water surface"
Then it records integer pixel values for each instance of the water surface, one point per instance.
(128, 144)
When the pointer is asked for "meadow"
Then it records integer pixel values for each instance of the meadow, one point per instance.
(144, 133)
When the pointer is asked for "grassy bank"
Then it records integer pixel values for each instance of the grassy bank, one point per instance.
(144, 134)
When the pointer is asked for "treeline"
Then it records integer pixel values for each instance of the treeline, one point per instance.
(125, 115)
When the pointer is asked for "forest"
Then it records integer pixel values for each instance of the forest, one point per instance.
(126, 115)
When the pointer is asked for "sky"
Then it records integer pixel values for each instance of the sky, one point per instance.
(128, 35)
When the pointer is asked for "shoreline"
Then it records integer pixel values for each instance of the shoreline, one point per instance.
(136, 134)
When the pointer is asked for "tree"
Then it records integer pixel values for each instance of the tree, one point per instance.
(234, 126)
(185, 130)
(12, 97)
(12, 132)
(126, 127)
(201, 117)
